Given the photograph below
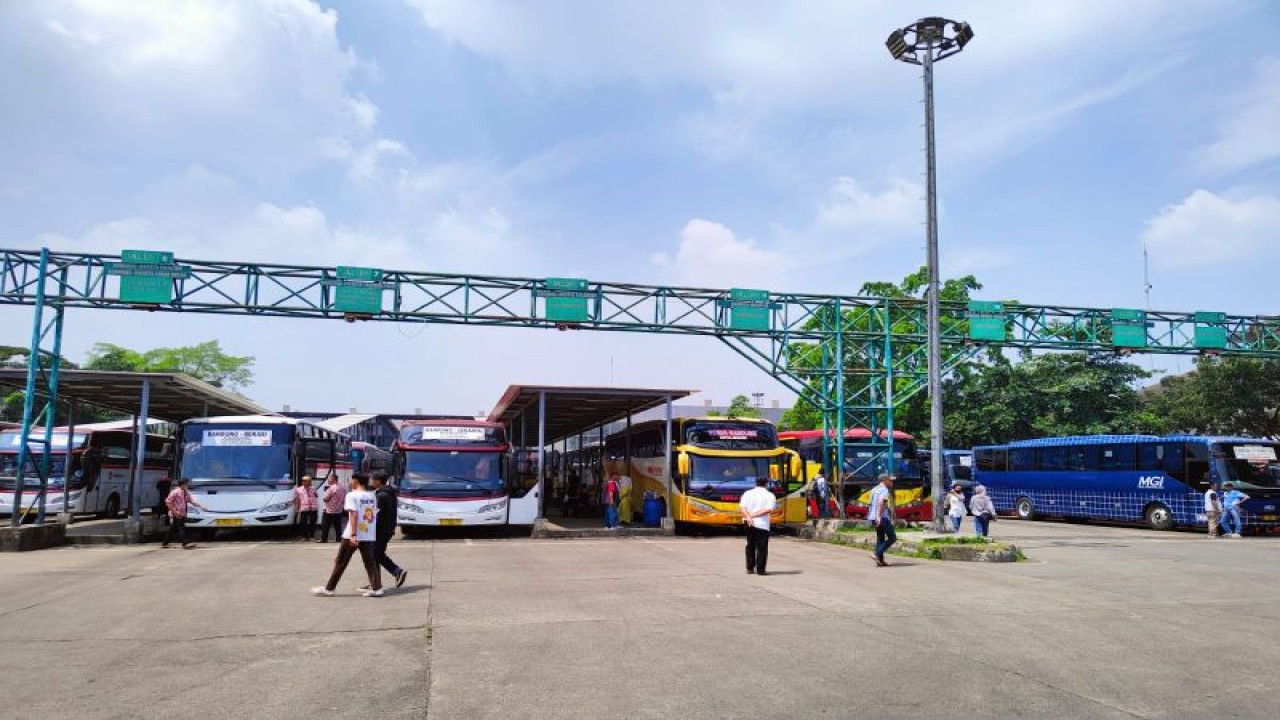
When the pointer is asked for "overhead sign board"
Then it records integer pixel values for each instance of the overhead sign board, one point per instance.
(1211, 331)
(986, 320)
(146, 276)
(1128, 328)
(358, 290)
(749, 309)
(565, 299)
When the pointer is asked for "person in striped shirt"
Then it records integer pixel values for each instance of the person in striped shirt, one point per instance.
(178, 501)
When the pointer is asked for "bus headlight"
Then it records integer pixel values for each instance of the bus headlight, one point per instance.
(193, 510)
(408, 507)
(492, 507)
(278, 507)
(701, 506)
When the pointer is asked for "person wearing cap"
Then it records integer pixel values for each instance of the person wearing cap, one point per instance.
(881, 516)
(1212, 507)
(954, 505)
(1232, 499)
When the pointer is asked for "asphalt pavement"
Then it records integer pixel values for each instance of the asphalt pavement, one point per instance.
(1100, 622)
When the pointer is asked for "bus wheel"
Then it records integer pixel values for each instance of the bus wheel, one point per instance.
(1159, 517)
(1025, 509)
(113, 507)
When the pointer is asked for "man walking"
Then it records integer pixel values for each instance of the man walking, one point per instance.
(334, 501)
(178, 501)
(388, 505)
(1212, 507)
(1231, 503)
(881, 516)
(362, 513)
(757, 504)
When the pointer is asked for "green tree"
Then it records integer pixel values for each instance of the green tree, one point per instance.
(741, 406)
(1222, 396)
(1044, 396)
(205, 361)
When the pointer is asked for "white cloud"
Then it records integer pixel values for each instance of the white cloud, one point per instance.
(257, 86)
(1249, 133)
(710, 255)
(1209, 229)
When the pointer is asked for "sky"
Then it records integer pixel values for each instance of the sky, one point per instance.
(715, 143)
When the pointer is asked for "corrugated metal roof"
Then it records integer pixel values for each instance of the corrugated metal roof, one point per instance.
(342, 422)
(173, 396)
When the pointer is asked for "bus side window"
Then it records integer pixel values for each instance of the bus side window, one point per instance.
(1197, 463)
(1150, 456)
(1054, 458)
(1022, 459)
(1116, 457)
(1175, 460)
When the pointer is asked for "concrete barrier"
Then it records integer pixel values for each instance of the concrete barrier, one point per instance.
(32, 537)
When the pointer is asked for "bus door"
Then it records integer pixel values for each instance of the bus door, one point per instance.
(525, 492)
(317, 457)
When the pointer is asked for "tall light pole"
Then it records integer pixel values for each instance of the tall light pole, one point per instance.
(925, 42)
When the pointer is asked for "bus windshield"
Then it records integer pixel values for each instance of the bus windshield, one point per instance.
(720, 477)
(31, 474)
(451, 473)
(867, 461)
(225, 454)
(1250, 465)
(728, 435)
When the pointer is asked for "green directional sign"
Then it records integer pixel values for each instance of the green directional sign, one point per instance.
(146, 276)
(986, 320)
(749, 309)
(566, 299)
(1211, 331)
(358, 290)
(1128, 328)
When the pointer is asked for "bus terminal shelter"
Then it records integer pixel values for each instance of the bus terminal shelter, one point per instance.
(539, 417)
(170, 397)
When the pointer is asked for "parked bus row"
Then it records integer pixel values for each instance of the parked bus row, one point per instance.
(1156, 481)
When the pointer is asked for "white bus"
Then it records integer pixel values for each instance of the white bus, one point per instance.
(243, 468)
(101, 458)
(458, 472)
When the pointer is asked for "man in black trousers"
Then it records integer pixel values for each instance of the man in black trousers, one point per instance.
(756, 506)
(388, 506)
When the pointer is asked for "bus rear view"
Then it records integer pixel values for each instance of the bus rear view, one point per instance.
(451, 472)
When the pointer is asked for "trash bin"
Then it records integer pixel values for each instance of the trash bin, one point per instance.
(652, 509)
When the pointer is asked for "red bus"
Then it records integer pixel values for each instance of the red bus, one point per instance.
(864, 461)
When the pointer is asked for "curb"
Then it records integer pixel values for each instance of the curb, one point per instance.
(829, 531)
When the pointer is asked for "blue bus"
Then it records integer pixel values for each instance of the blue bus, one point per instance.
(1159, 481)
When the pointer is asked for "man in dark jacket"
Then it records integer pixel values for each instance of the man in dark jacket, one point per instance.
(388, 506)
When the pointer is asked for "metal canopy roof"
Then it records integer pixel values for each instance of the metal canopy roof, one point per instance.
(174, 396)
(574, 410)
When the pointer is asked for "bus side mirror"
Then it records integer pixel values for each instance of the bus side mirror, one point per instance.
(775, 471)
(797, 467)
(682, 464)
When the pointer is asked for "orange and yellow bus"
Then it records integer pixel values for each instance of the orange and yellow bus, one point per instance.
(712, 460)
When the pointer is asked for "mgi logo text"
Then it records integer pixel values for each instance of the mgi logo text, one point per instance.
(1151, 482)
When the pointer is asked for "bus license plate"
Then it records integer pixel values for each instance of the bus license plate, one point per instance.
(228, 522)
(450, 521)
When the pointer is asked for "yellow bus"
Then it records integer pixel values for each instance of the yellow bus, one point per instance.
(713, 460)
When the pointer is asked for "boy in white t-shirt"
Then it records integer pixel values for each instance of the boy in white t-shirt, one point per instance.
(361, 507)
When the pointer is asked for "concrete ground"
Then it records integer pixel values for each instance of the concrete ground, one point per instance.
(1101, 622)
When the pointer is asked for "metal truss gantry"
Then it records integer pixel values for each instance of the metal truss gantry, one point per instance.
(854, 358)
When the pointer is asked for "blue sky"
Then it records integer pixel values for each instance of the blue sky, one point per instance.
(714, 143)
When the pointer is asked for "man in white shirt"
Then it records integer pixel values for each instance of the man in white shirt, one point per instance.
(360, 535)
(1212, 507)
(756, 505)
(881, 516)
